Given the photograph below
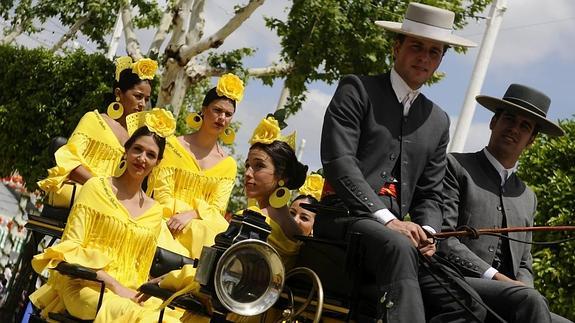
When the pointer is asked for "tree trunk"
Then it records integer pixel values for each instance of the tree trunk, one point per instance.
(132, 44)
(73, 30)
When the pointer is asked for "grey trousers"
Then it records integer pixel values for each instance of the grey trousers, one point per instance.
(403, 285)
(514, 303)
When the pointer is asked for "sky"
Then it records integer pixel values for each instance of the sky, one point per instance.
(535, 47)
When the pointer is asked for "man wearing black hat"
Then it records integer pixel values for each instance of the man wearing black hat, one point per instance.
(483, 191)
(383, 150)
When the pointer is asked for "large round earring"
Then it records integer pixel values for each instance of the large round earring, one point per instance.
(121, 167)
(228, 136)
(194, 120)
(280, 197)
(115, 109)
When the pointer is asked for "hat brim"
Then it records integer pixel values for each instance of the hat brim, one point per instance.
(452, 40)
(545, 125)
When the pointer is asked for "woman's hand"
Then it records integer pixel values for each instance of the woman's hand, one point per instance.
(125, 292)
(141, 298)
(178, 222)
(117, 288)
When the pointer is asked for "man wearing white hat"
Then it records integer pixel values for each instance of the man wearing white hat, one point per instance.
(483, 191)
(383, 150)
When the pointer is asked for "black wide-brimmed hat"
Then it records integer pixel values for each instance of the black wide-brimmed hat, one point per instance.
(526, 101)
(427, 22)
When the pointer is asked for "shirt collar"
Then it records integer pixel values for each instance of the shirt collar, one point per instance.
(500, 168)
(401, 88)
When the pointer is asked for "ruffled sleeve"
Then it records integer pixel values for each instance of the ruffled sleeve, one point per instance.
(92, 145)
(163, 190)
(72, 247)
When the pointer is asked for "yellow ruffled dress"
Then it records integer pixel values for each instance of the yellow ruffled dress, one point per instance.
(101, 234)
(93, 145)
(180, 184)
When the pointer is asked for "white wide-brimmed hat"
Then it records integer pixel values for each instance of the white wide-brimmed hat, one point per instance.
(423, 21)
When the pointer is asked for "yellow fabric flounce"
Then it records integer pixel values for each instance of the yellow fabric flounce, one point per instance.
(313, 186)
(268, 131)
(230, 86)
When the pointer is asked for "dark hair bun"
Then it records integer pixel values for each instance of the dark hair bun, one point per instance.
(285, 161)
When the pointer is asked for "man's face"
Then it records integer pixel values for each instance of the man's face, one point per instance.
(416, 59)
(510, 134)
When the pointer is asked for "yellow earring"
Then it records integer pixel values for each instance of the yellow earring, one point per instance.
(228, 136)
(194, 120)
(280, 197)
(121, 168)
(115, 109)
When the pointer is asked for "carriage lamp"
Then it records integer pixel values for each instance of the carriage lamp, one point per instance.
(242, 273)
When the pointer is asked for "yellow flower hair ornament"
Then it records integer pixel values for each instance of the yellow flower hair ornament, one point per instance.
(145, 68)
(269, 131)
(313, 186)
(160, 121)
(230, 86)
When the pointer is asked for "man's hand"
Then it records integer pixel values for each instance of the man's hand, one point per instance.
(500, 277)
(411, 230)
(428, 248)
(178, 222)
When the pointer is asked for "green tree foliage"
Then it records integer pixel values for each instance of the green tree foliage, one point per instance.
(549, 169)
(43, 96)
(32, 15)
(326, 39)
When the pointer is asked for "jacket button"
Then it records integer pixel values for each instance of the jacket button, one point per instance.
(365, 198)
(369, 204)
(491, 249)
(499, 208)
(392, 156)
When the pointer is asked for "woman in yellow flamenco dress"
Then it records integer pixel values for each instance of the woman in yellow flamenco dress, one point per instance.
(196, 177)
(272, 170)
(113, 229)
(97, 143)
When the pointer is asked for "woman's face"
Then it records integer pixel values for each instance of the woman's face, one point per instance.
(218, 115)
(142, 156)
(259, 180)
(136, 98)
(302, 217)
